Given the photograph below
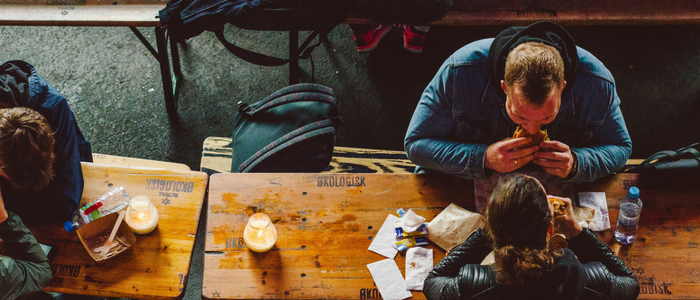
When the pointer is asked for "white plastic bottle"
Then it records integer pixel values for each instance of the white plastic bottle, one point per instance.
(111, 202)
(628, 221)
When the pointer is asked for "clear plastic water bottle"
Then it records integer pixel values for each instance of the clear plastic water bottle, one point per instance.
(627, 223)
(111, 202)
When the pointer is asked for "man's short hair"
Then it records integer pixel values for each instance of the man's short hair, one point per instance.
(536, 69)
(26, 148)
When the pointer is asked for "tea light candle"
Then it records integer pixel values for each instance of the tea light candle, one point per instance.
(141, 215)
(259, 234)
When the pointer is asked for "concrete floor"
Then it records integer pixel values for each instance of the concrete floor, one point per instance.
(114, 87)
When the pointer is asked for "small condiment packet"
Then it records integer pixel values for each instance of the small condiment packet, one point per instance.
(388, 278)
(596, 201)
(419, 262)
(403, 244)
(422, 230)
(452, 226)
(411, 221)
(383, 242)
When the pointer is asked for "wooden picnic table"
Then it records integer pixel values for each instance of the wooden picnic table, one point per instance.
(326, 222)
(157, 265)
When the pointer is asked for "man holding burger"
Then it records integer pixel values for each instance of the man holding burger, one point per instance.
(532, 78)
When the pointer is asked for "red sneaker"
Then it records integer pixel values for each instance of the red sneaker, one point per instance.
(412, 40)
(369, 40)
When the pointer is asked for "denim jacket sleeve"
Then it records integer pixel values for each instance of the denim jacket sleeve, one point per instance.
(428, 140)
(610, 148)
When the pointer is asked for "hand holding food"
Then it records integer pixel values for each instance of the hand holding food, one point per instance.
(565, 223)
(537, 137)
(559, 205)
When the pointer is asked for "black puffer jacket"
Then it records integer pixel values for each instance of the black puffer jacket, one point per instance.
(597, 274)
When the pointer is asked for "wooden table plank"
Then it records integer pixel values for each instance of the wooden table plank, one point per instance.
(137, 162)
(75, 14)
(324, 230)
(157, 265)
(325, 227)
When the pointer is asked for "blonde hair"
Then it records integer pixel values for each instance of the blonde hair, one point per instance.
(536, 68)
(26, 148)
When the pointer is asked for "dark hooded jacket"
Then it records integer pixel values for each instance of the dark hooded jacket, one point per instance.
(21, 86)
(547, 33)
(596, 274)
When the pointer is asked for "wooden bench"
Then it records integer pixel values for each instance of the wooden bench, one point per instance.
(216, 158)
(114, 13)
(584, 12)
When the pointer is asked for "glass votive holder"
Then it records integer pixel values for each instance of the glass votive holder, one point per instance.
(260, 234)
(141, 215)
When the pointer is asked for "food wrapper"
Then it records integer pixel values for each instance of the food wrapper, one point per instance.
(598, 202)
(419, 262)
(452, 226)
(584, 215)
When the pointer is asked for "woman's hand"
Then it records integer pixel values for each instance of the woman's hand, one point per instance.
(566, 223)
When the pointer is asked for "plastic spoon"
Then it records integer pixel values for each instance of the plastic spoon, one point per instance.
(108, 244)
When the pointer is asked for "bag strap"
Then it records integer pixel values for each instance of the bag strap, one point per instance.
(247, 55)
(298, 135)
(300, 88)
(285, 99)
(668, 155)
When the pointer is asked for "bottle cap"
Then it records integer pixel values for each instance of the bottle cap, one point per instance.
(633, 192)
(68, 226)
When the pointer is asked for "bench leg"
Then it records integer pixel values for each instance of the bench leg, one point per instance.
(294, 76)
(177, 71)
(170, 103)
(162, 56)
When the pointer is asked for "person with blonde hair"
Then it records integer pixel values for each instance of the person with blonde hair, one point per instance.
(532, 78)
(41, 148)
(520, 221)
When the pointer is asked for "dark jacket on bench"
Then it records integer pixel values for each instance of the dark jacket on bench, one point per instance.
(596, 274)
(21, 86)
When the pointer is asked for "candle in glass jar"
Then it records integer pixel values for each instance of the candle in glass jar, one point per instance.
(260, 234)
(141, 215)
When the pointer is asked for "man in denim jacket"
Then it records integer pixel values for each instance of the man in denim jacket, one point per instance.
(469, 111)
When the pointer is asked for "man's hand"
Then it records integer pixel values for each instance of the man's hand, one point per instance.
(502, 157)
(566, 223)
(556, 158)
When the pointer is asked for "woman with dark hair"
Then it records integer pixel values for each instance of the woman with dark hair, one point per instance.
(520, 221)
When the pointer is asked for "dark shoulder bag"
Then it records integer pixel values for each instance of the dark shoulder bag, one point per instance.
(292, 130)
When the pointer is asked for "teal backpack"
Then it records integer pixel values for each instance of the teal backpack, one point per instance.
(292, 130)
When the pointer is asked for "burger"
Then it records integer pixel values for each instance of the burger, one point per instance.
(559, 206)
(537, 138)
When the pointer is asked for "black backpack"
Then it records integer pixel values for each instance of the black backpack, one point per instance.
(292, 130)
(189, 18)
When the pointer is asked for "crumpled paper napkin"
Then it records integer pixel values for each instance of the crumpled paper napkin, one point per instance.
(419, 262)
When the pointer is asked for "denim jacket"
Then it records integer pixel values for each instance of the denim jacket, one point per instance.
(459, 115)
